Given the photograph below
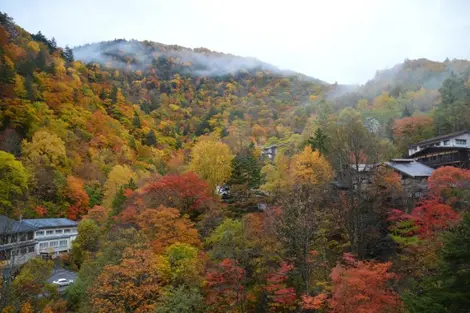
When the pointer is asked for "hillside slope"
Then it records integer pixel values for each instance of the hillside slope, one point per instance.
(135, 105)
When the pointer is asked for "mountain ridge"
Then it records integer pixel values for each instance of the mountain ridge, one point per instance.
(194, 61)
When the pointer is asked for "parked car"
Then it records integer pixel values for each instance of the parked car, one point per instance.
(63, 282)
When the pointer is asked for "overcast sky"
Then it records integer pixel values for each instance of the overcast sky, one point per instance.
(333, 40)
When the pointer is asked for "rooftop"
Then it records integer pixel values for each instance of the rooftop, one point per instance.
(410, 167)
(439, 138)
(50, 222)
(10, 226)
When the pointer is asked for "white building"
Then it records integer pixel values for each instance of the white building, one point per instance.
(53, 235)
(459, 140)
(447, 150)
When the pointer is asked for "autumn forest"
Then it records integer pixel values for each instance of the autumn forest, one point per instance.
(208, 182)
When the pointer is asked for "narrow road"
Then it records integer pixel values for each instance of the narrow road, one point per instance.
(62, 273)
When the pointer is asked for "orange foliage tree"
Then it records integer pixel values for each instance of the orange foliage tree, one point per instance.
(98, 213)
(134, 285)
(412, 129)
(78, 197)
(165, 226)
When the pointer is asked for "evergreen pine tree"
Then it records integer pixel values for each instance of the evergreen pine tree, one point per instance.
(7, 73)
(136, 121)
(53, 44)
(103, 94)
(113, 94)
(319, 141)
(150, 138)
(118, 202)
(68, 54)
(131, 185)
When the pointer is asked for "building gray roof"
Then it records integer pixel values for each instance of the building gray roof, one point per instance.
(50, 222)
(410, 167)
(10, 226)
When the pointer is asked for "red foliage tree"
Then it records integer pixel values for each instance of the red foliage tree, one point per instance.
(40, 211)
(362, 286)
(433, 217)
(186, 192)
(283, 297)
(428, 219)
(452, 184)
(224, 288)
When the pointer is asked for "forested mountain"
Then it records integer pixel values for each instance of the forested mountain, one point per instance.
(137, 104)
(159, 152)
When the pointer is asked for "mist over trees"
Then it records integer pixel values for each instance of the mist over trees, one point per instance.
(206, 182)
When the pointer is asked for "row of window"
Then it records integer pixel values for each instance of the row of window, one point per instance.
(461, 142)
(23, 251)
(6, 239)
(53, 244)
(7, 254)
(56, 232)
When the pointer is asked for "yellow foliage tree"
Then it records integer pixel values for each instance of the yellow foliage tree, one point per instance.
(212, 161)
(119, 176)
(311, 168)
(20, 91)
(33, 47)
(277, 174)
(45, 149)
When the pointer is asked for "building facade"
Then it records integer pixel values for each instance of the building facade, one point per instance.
(447, 150)
(53, 235)
(414, 176)
(17, 243)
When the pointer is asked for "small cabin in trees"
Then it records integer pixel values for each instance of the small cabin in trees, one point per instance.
(269, 152)
(447, 150)
(413, 174)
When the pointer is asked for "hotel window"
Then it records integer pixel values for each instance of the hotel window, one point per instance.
(59, 231)
(23, 250)
(66, 231)
(30, 249)
(446, 142)
(49, 232)
(43, 245)
(461, 141)
(63, 243)
(54, 243)
(40, 233)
